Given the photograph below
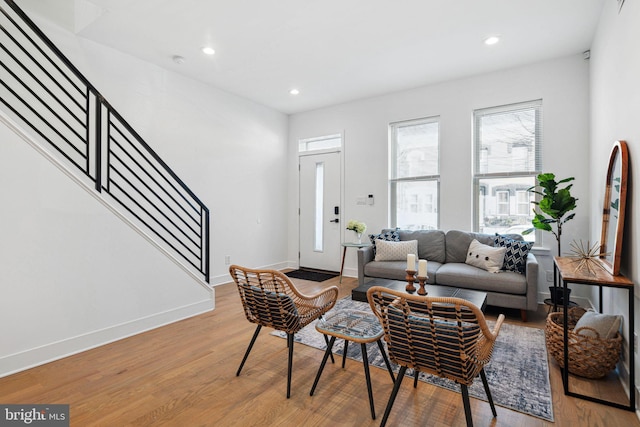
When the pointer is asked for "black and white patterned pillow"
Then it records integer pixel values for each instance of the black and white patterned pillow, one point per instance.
(389, 236)
(515, 257)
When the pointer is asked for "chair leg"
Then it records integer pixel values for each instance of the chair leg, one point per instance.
(290, 364)
(394, 393)
(246, 354)
(466, 404)
(486, 389)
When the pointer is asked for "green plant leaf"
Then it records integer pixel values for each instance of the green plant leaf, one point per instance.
(528, 231)
(566, 180)
(541, 223)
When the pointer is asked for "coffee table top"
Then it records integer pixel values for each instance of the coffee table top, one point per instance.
(477, 298)
(351, 325)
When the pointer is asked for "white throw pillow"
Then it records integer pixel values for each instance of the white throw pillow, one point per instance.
(485, 257)
(606, 325)
(395, 251)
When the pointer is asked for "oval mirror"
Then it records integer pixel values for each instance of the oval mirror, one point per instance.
(615, 197)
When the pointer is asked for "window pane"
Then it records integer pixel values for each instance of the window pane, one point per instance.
(414, 176)
(507, 141)
(319, 229)
(415, 203)
(507, 158)
(499, 200)
(321, 143)
(415, 149)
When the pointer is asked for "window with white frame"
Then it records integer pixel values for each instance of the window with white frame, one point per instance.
(320, 143)
(414, 174)
(507, 159)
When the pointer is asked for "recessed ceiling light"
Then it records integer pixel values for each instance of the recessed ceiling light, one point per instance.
(491, 40)
(208, 50)
(294, 91)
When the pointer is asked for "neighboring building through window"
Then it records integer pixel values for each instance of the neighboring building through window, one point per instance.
(414, 174)
(507, 159)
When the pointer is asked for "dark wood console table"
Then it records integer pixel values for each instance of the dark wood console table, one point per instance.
(566, 268)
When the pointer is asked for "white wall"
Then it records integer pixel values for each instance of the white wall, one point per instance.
(73, 275)
(615, 114)
(229, 151)
(562, 84)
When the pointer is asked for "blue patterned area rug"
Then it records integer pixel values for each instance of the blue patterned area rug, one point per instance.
(518, 373)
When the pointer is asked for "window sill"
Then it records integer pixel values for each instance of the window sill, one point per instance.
(539, 250)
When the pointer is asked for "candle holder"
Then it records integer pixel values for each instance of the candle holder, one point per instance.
(410, 279)
(422, 280)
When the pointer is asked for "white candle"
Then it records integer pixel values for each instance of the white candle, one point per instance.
(411, 262)
(422, 268)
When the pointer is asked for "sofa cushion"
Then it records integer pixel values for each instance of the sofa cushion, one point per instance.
(461, 275)
(395, 270)
(431, 243)
(457, 242)
(515, 257)
(485, 257)
(395, 251)
(388, 235)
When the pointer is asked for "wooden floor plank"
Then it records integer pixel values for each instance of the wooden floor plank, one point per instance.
(183, 374)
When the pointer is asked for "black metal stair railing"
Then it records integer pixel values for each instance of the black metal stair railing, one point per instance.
(42, 89)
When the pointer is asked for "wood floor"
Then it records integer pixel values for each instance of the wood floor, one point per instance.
(183, 374)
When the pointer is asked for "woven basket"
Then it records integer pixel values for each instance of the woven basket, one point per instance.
(589, 357)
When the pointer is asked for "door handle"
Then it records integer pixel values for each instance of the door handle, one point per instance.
(335, 220)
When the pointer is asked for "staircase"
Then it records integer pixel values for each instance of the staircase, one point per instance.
(47, 100)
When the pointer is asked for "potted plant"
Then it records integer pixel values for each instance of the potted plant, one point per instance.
(553, 209)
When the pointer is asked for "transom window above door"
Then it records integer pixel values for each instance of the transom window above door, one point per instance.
(321, 143)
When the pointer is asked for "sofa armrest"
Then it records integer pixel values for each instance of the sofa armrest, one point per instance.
(365, 255)
(531, 271)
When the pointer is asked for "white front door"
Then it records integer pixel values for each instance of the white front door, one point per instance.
(320, 211)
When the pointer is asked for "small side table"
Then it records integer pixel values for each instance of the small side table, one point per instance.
(346, 245)
(356, 326)
(566, 268)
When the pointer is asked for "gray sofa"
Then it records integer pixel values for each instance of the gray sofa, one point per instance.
(446, 254)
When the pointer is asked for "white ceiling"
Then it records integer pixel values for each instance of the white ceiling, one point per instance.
(333, 51)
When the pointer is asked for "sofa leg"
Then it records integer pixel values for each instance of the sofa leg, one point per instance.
(523, 315)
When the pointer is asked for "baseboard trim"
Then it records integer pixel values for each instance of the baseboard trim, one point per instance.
(226, 278)
(27, 359)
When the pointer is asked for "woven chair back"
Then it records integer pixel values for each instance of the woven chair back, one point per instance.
(448, 337)
(270, 299)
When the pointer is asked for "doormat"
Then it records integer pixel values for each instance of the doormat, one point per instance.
(313, 275)
(518, 373)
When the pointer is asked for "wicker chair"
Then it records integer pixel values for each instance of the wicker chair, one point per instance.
(448, 337)
(270, 299)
